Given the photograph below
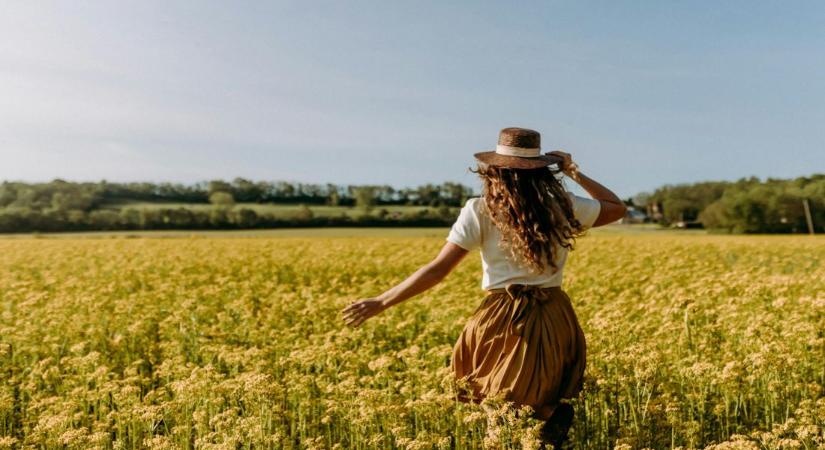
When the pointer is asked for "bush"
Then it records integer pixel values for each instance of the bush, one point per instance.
(221, 198)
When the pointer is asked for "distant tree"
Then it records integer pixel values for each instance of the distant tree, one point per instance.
(445, 212)
(218, 186)
(221, 199)
(684, 202)
(246, 191)
(641, 200)
(64, 201)
(7, 194)
(283, 191)
(219, 218)
(334, 199)
(429, 194)
(103, 219)
(304, 213)
(131, 218)
(246, 218)
(773, 206)
(266, 189)
(385, 194)
(454, 194)
(364, 197)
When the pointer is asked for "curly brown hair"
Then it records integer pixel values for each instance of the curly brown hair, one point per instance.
(533, 212)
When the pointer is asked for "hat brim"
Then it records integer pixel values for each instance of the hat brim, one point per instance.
(516, 162)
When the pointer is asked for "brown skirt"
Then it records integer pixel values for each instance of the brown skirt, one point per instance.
(525, 340)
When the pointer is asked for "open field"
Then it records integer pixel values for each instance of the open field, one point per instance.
(694, 341)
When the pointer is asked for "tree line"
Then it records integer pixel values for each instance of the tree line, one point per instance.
(70, 195)
(749, 205)
(71, 206)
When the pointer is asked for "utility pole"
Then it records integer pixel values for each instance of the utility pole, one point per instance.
(808, 218)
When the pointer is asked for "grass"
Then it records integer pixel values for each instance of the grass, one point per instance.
(283, 210)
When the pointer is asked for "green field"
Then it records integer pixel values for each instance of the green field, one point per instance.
(281, 210)
(693, 341)
(310, 232)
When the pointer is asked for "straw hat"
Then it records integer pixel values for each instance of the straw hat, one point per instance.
(518, 148)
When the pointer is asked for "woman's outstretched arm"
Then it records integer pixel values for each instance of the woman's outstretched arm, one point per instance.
(424, 278)
(612, 207)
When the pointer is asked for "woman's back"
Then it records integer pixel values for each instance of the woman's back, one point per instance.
(474, 229)
(524, 339)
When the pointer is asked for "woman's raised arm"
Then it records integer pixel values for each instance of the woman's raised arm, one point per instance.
(612, 207)
(422, 279)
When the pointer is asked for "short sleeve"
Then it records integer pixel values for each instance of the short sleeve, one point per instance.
(585, 209)
(466, 231)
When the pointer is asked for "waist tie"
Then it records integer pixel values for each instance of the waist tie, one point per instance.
(525, 297)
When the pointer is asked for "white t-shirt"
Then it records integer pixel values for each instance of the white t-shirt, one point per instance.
(474, 229)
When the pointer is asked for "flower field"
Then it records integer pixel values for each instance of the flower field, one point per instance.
(694, 341)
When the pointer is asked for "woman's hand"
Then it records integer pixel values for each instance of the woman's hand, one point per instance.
(356, 313)
(612, 207)
(570, 168)
(424, 278)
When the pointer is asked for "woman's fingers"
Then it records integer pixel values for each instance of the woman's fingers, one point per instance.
(356, 313)
(355, 320)
(567, 161)
(358, 321)
(352, 314)
(354, 306)
(351, 318)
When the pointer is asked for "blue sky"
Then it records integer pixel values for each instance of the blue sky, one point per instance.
(402, 93)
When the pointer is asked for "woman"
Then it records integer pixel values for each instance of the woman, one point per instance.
(524, 337)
